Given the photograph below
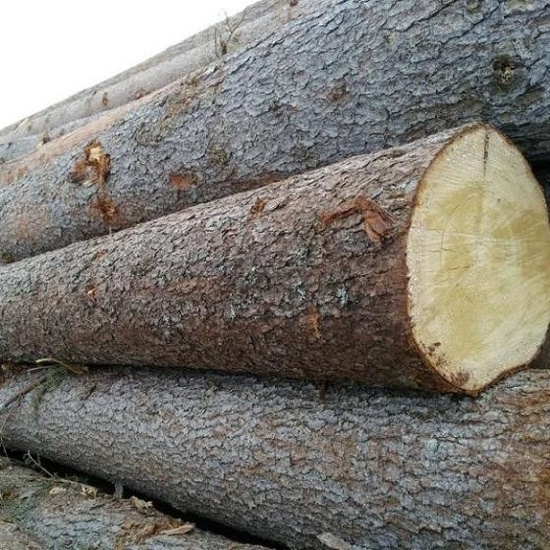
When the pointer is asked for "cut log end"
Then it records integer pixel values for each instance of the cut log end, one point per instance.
(478, 256)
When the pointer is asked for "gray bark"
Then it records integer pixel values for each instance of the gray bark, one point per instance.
(13, 538)
(348, 77)
(258, 282)
(226, 37)
(17, 149)
(59, 514)
(356, 469)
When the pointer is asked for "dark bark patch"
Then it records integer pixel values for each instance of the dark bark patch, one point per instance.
(7, 258)
(239, 185)
(183, 180)
(339, 93)
(257, 208)
(105, 208)
(218, 155)
(504, 68)
(95, 167)
(280, 109)
(312, 322)
(377, 222)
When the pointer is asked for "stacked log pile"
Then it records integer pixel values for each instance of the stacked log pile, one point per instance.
(346, 78)
(400, 288)
(209, 46)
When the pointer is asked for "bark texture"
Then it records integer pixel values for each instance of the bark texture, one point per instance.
(290, 280)
(13, 538)
(19, 148)
(355, 469)
(346, 78)
(61, 514)
(226, 37)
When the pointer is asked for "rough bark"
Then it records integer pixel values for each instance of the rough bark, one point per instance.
(62, 514)
(12, 538)
(17, 149)
(226, 37)
(353, 469)
(348, 77)
(307, 278)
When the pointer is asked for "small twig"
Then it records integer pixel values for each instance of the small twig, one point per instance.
(23, 391)
(119, 490)
(52, 361)
(35, 369)
(28, 458)
(221, 43)
(44, 363)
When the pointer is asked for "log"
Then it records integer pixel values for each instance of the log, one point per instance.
(424, 267)
(65, 514)
(312, 93)
(355, 469)
(13, 538)
(212, 44)
(11, 151)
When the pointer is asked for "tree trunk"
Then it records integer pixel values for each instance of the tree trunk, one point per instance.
(348, 77)
(424, 267)
(63, 514)
(353, 469)
(233, 34)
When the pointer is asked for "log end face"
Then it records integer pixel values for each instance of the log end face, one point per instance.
(478, 256)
